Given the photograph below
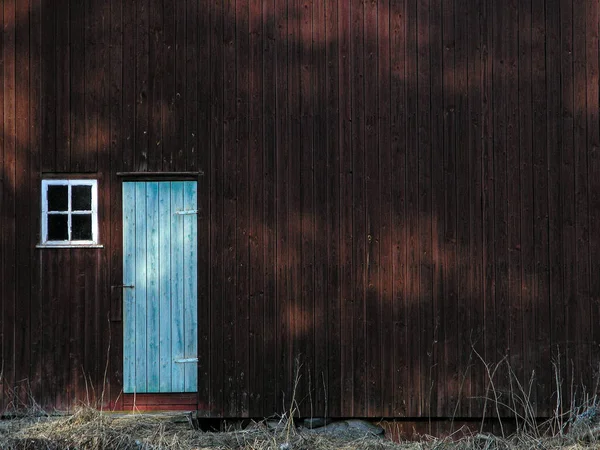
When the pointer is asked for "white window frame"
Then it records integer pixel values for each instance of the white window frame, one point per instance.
(94, 212)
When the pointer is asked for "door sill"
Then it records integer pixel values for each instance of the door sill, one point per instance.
(176, 401)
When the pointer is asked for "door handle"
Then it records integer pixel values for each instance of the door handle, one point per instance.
(123, 286)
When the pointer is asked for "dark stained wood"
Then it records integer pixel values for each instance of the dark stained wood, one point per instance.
(593, 148)
(216, 381)
(269, 236)
(230, 200)
(332, 296)
(346, 226)
(449, 313)
(567, 199)
(372, 308)
(554, 138)
(322, 173)
(63, 87)
(23, 221)
(256, 200)
(399, 141)
(242, 212)
(391, 195)
(540, 210)
(359, 226)
(141, 61)
(202, 153)
(9, 204)
(436, 390)
(412, 395)
(385, 282)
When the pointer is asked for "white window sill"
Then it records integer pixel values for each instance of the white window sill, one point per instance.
(69, 246)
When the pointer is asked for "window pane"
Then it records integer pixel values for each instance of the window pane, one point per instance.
(81, 227)
(58, 227)
(58, 198)
(81, 198)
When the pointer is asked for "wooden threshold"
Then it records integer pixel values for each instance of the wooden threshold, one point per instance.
(160, 402)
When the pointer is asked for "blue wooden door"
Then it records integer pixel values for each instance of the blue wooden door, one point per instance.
(161, 290)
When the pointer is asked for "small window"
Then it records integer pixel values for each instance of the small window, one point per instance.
(69, 212)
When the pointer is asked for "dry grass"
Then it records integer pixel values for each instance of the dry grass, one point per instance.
(89, 428)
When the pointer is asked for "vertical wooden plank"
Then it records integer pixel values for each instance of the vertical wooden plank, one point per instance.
(488, 188)
(500, 92)
(425, 279)
(540, 209)
(305, 294)
(513, 315)
(346, 225)
(48, 94)
(413, 395)
(35, 139)
(190, 284)
(179, 100)
(581, 196)
(333, 119)
(63, 88)
(358, 214)
(153, 269)
(593, 158)
(168, 89)
(178, 285)
(195, 54)
(256, 214)
(141, 58)
(22, 336)
(449, 325)
(269, 78)
(282, 203)
(129, 96)
(129, 294)
(436, 383)
(567, 198)
(320, 322)
(79, 331)
(165, 214)
(62, 345)
(216, 205)
(373, 236)
(156, 70)
(203, 153)
(384, 22)
(86, 73)
(141, 288)
(398, 124)
(116, 124)
(10, 202)
(526, 178)
(242, 49)
(100, 260)
(554, 138)
(476, 95)
(229, 209)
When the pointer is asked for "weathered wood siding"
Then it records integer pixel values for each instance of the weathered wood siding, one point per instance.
(392, 192)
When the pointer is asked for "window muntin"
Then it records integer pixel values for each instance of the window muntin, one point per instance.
(69, 212)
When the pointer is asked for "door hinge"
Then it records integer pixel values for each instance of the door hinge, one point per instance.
(186, 360)
(188, 212)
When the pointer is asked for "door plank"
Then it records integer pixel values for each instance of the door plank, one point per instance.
(177, 288)
(190, 226)
(152, 286)
(140, 287)
(129, 278)
(165, 214)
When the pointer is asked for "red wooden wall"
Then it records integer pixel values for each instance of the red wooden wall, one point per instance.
(391, 192)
